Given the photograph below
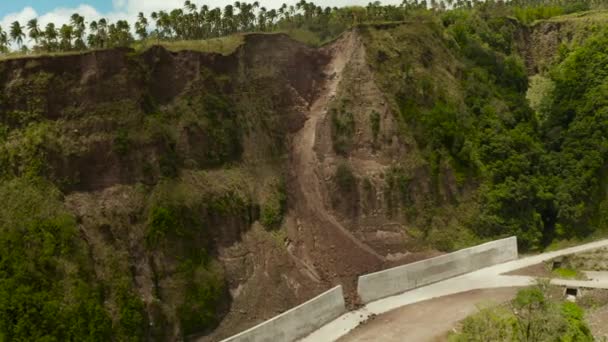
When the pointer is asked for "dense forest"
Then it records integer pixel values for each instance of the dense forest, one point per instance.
(533, 149)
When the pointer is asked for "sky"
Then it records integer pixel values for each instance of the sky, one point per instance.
(59, 11)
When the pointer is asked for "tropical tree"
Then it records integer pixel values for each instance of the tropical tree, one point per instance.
(3, 41)
(50, 35)
(141, 26)
(93, 34)
(34, 31)
(228, 22)
(66, 34)
(119, 34)
(17, 33)
(79, 28)
(102, 32)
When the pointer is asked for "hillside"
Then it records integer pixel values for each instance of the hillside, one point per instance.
(157, 194)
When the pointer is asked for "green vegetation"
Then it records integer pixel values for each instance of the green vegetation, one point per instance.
(532, 316)
(273, 209)
(198, 311)
(342, 130)
(539, 169)
(397, 187)
(223, 45)
(180, 220)
(47, 285)
(567, 273)
(345, 179)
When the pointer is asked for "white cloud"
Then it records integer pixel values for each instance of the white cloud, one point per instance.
(23, 16)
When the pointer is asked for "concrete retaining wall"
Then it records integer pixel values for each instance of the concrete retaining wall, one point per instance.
(400, 279)
(297, 322)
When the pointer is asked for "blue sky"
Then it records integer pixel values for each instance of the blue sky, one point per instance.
(42, 6)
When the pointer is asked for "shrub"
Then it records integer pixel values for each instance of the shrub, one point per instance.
(132, 318)
(342, 130)
(375, 123)
(162, 222)
(273, 209)
(532, 316)
(199, 309)
(122, 142)
(345, 179)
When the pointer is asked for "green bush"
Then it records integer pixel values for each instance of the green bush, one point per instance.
(342, 130)
(345, 179)
(161, 223)
(199, 309)
(273, 210)
(532, 316)
(132, 321)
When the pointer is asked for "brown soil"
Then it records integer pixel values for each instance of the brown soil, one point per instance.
(539, 270)
(430, 320)
(317, 251)
(597, 322)
(595, 303)
(320, 239)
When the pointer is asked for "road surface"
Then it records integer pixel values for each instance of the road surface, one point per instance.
(486, 278)
(428, 320)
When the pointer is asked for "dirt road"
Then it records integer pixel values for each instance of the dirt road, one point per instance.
(430, 320)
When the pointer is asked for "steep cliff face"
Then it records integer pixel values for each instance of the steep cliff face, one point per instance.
(166, 160)
(199, 181)
(209, 192)
(547, 41)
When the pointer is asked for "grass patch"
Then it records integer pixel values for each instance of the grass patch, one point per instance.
(567, 273)
(223, 45)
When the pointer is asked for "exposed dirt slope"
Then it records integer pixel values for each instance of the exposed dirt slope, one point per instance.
(321, 240)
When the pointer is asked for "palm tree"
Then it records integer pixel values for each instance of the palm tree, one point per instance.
(92, 37)
(102, 33)
(34, 31)
(214, 18)
(66, 33)
(119, 34)
(271, 16)
(3, 41)
(229, 22)
(79, 29)
(190, 6)
(178, 24)
(50, 37)
(17, 33)
(262, 19)
(141, 26)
